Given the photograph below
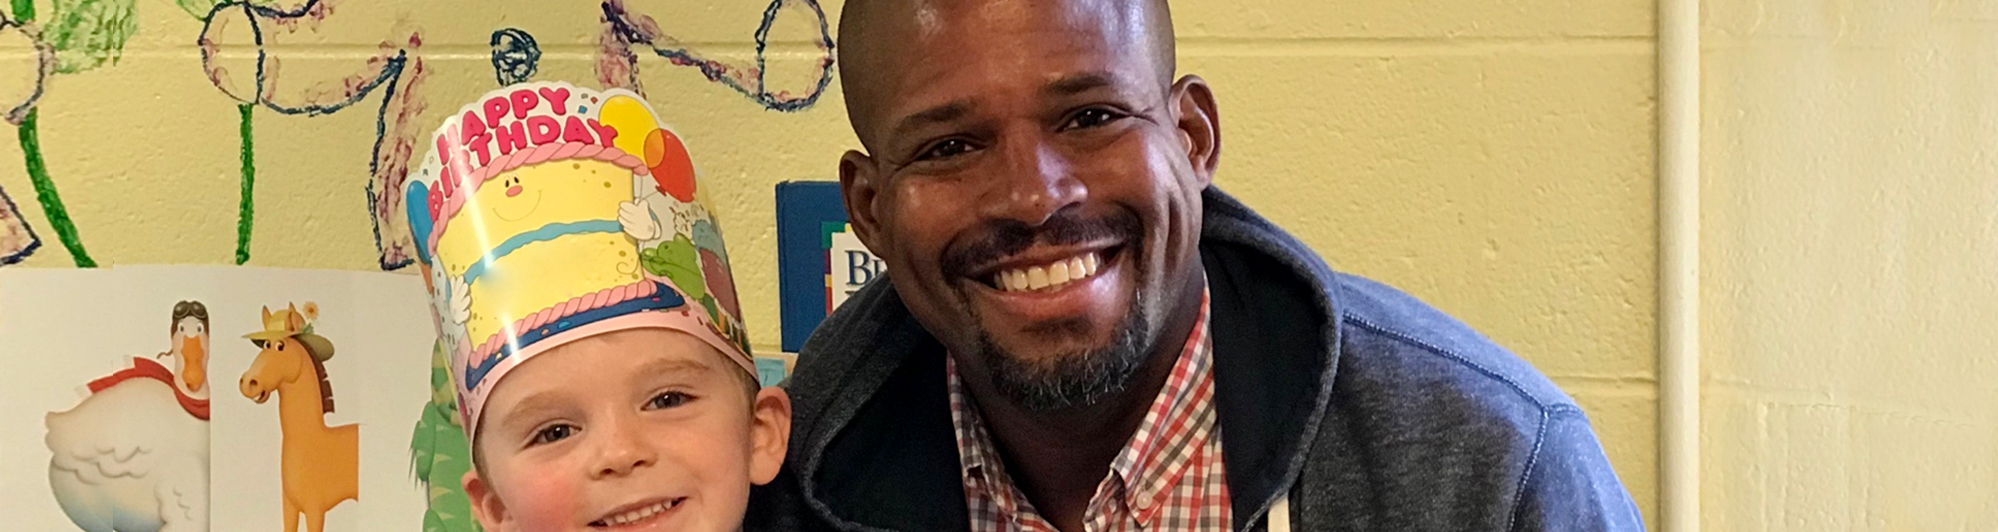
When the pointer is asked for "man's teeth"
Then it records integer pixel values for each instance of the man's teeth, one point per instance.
(640, 514)
(1046, 276)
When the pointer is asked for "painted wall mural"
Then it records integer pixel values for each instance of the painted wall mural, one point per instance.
(83, 35)
(253, 52)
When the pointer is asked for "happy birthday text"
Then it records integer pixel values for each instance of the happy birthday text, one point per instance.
(511, 122)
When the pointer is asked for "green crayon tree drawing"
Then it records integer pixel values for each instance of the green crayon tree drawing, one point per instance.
(78, 36)
(81, 35)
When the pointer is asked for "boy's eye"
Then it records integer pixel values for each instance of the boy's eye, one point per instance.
(1089, 118)
(553, 433)
(668, 400)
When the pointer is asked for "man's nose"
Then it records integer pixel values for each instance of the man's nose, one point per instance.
(620, 450)
(1035, 181)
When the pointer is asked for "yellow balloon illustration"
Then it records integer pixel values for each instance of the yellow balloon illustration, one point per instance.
(631, 119)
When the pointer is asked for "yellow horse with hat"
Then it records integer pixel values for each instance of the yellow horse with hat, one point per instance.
(321, 464)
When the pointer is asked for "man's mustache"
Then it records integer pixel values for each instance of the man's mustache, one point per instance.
(997, 239)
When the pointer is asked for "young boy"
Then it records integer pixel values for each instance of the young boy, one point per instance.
(583, 294)
(640, 429)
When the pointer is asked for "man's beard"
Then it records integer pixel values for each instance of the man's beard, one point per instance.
(1072, 379)
(1063, 380)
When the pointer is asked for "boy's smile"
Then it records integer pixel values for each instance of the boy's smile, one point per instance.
(643, 514)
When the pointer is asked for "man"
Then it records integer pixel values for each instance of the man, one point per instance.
(1080, 333)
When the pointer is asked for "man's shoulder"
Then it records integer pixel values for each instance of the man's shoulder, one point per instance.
(1393, 343)
(1432, 425)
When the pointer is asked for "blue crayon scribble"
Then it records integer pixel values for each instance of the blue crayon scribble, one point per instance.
(617, 65)
(515, 56)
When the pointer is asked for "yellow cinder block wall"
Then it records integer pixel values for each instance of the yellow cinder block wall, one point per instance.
(1493, 158)
(1850, 241)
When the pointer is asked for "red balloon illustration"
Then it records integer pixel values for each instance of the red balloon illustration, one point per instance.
(671, 168)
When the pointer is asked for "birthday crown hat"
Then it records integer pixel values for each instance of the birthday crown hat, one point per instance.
(546, 212)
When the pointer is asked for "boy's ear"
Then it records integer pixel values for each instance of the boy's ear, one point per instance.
(769, 434)
(486, 505)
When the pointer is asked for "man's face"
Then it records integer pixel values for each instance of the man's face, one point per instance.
(1032, 185)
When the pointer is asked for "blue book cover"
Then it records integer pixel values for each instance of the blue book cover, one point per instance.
(819, 260)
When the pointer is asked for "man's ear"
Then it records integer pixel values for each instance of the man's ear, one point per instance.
(1199, 123)
(486, 505)
(769, 434)
(858, 187)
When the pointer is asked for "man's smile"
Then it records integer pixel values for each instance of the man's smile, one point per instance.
(1040, 287)
(1045, 269)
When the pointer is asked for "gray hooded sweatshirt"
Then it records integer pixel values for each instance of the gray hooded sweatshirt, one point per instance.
(1361, 407)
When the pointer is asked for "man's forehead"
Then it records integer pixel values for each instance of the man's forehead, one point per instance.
(898, 29)
(904, 47)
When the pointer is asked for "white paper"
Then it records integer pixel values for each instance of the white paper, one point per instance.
(61, 329)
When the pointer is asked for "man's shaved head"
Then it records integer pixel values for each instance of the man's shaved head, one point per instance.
(877, 36)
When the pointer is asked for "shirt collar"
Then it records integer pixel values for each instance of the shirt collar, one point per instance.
(1178, 422)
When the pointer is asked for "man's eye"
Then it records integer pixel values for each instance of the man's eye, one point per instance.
(668, 400)
(553, 433)
(1089, 118)
(947, 148)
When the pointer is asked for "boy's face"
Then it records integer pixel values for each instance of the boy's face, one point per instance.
(644, 429)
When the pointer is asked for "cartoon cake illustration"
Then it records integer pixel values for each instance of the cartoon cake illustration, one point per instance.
(547, 211)
(542, 215)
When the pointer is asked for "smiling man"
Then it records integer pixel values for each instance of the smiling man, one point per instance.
(1079, 332)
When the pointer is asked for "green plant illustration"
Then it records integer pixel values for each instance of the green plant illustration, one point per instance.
(440, 455)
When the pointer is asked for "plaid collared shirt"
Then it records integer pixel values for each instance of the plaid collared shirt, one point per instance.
(1169, 477)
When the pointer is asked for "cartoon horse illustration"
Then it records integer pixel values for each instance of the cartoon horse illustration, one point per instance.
(321, 463)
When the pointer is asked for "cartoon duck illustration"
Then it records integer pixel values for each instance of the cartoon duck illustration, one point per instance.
(189, 353)
(133, 455)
